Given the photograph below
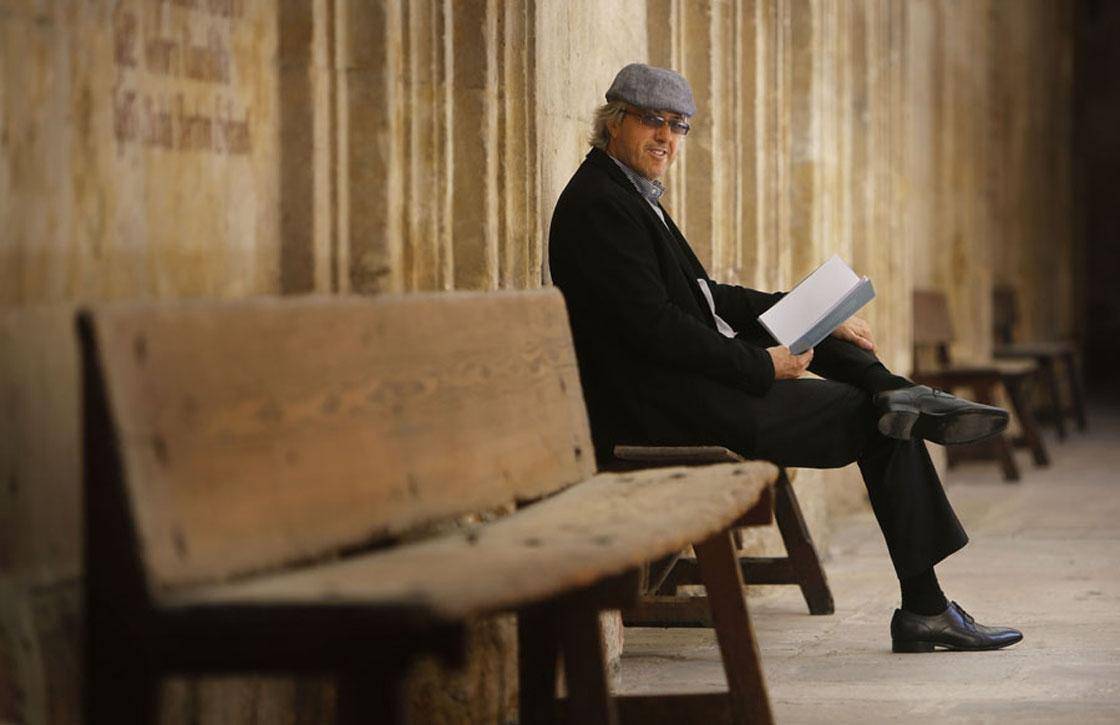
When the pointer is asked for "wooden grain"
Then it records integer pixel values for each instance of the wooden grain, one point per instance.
(262, 432)
(608, 525)
(737, 644)
(676, 455)
(585, 665)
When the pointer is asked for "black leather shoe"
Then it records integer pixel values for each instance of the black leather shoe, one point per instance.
(934, 415)
(952, 629)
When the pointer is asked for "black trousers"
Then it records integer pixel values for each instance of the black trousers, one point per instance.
(828, 424)
(831, 423)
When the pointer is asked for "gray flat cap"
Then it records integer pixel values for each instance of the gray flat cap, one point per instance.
(658, 89)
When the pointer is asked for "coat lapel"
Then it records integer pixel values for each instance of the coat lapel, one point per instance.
(672, 241)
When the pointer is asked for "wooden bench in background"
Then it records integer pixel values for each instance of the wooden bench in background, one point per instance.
(662, 606)
(1049, 355)
(933, 332)
(256, 473)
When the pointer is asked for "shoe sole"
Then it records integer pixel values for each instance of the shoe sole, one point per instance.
(905, 423)
(917, 646)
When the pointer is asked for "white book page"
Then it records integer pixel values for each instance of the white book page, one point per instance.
(806, 303)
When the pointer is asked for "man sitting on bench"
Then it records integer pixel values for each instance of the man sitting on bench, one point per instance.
(669, 357)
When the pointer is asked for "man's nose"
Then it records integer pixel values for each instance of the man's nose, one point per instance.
(662, 134)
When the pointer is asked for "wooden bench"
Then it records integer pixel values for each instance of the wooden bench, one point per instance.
(256, 473)
(661, 605)
(933, 332)
(1049, 355)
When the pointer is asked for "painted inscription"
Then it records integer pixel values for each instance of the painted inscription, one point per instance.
(177, 116)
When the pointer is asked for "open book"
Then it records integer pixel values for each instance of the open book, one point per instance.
(817, 305)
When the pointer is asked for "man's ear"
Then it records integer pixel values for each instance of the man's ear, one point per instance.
(612, 127)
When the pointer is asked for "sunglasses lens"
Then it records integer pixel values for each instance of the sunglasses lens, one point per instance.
(680, 128)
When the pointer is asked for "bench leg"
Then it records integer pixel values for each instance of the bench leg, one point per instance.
(1001, 443)
(799, 547)
(1076, 389)
(537, 650)
(366, 696)
(1057, 409)
(724, 583)
(585, 664)
(124, 695)
(1026, 419)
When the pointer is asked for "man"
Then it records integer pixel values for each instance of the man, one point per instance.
(669, 357)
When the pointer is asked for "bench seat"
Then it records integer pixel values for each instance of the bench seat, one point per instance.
(965, 368)
(605, 526)
(269, 485)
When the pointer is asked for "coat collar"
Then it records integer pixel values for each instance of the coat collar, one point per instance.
(600, 160)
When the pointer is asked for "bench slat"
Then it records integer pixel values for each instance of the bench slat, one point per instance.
(606, 526)
(263, 432)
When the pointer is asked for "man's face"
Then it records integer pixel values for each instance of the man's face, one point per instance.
(647, 150)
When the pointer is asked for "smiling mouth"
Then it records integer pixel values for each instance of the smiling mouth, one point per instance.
(660, 153)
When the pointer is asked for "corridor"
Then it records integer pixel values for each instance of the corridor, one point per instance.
(1044, 557)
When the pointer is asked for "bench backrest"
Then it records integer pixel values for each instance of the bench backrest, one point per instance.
(252, 434)
(932, 325)
(1004, 313)
(933, 329)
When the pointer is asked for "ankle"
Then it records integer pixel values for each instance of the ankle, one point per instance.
(921, 594)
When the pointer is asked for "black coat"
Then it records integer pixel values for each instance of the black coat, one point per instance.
(653, 366)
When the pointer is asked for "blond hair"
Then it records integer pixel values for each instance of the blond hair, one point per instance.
(605, 115)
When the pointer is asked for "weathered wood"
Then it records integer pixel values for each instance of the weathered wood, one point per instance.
(805, 562)
(1016, 391)
(585, 666)
(801, 566)
(694, 708)
(1047, 353)
(724, 583)
(756, 570)
(1048, 356)
(669, 610)
(372, 692)
(1047, 369)
(761, 514)
(932, 324)
(538, 646)
(676, 455)
(339, 605)
(933, 329)
(609, 525)
(236, 418)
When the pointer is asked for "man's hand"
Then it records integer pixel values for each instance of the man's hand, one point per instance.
(788, 366)
(857, 332)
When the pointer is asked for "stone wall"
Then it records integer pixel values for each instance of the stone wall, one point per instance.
(219, 148)
(139, 150)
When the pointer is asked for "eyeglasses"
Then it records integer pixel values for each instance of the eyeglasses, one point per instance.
(652, 120)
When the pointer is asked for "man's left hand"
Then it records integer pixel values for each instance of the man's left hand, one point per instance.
(856, 331)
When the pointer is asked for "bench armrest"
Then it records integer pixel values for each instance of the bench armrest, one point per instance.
(677, 455)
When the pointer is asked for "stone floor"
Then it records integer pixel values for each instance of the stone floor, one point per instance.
(1044, 557)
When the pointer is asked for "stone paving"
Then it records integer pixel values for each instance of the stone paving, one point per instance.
(1044, 557)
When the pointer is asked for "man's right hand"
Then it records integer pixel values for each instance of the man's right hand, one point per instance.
(788, 366)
